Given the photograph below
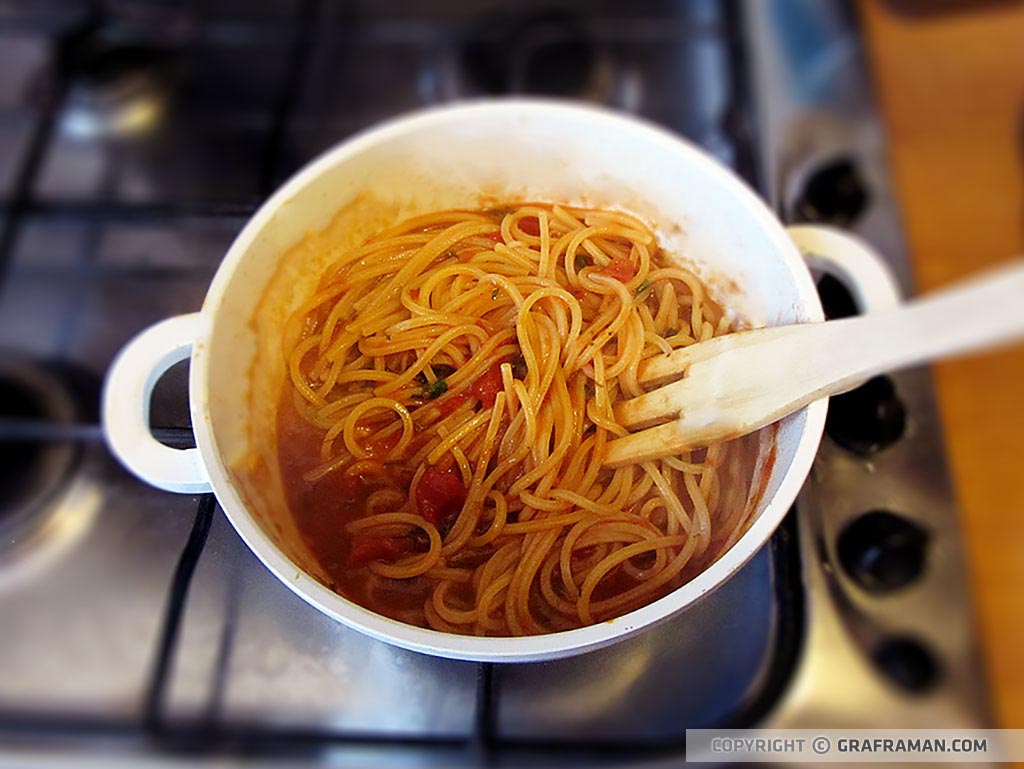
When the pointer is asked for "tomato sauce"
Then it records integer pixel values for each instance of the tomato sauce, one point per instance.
(323, 508)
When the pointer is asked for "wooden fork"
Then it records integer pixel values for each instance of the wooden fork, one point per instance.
(735, 384)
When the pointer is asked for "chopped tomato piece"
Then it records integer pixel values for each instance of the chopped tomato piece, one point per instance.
(440, 495)
(488, 385)
(451, 405)
(366, 550)
(530, 225)
(619, 268)
(495, 236)
(414, 293)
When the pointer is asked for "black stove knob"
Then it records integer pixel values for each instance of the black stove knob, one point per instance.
(907, 663)
(834, 193)
(867, 419)
(882, 551)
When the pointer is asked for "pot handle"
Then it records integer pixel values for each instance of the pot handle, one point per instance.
(126, 396)
(851, 260)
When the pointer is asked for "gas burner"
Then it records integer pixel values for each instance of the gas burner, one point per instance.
(549, 54)
(39, 407)
(117, 88)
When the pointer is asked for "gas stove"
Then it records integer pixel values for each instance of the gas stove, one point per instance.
(137, 137)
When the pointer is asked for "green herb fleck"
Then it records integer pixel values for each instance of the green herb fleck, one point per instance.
(437, 388)
(580, 262)
(494, 294)
(646, 284)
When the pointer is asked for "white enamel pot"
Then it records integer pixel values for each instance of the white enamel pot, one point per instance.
(463, 157)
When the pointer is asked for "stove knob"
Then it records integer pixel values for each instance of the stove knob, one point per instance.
(882, 551)
(867, 419)
(834, 194)
(907, 663)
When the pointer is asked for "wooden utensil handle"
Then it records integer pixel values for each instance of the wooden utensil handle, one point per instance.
(982, 313)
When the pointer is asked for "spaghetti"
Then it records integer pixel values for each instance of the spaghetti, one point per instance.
(449, 407)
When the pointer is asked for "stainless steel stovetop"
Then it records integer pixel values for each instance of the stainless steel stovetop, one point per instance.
(136, 137)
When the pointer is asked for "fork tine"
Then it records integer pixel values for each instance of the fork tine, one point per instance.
(665, 368)
(652, 443)
(661, 369)
(690, 431)
(656, 406)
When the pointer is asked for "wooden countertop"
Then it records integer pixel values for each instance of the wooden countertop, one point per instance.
(951, 86)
